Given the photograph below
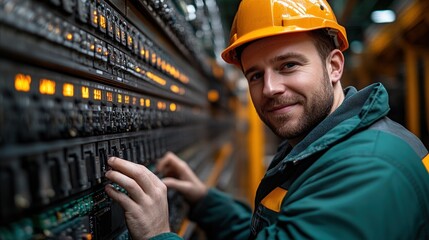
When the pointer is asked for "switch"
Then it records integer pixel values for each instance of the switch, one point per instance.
(92, 163)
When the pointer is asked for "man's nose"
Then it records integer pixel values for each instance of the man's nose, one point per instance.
(272, 84)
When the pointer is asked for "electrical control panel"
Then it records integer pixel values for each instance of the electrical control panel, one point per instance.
(83, 80)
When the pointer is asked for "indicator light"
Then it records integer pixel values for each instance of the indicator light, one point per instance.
(22, 82)
(127, 99)
(102, 22)
(97, 94)
(69, 36)
(213, 95)
(173, 107)
(109, 96)
(156, 78)
(85, 92)
(147, 102)
(68, 90)
(47, 86)
(175, 88)
(119, 98)
(142, 102)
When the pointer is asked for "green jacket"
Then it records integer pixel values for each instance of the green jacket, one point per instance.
(357, 175)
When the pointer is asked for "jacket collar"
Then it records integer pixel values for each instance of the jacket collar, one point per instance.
(358, 110)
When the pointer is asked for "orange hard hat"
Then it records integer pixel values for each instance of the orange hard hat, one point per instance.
(256, 19)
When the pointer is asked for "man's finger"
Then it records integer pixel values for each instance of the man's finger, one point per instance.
(125, 201)
(130, 185)
(143, 176)
(181, 186)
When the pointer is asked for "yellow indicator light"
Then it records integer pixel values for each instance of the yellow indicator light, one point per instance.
(69, 36)
(127, 99)
(134, 100)
(22, 82)
(102, 21)
(156, 78)
(175, 88)
(47, 87)
(173, 107)
(119, 98)
(95, 17)
(130, 40)
(92, 47)
(97, 94)
(106, 53)
(109, 96)
(142, 102)
(153, 58)
(147, 55)
(142, 52)
(118, 33)
(213, 95)
(138, 69)
(85, 92)
(68, 90)
(147, 102)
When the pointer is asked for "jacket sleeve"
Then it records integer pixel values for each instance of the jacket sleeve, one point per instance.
(222, 217)
(363, 197)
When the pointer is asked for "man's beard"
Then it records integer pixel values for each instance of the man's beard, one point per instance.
(315, 110)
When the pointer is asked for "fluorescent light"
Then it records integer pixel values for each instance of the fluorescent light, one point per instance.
(383, 16)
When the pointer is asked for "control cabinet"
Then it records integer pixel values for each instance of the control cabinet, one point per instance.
(82, 80)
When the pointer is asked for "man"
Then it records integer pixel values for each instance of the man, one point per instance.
(344, 171)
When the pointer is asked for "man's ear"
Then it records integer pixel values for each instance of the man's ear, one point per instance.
(335, 65)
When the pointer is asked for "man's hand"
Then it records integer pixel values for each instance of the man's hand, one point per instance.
(178, 175)
(146, 207)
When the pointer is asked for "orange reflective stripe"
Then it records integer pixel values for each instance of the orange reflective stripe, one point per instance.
(426, 162)
(274, 199)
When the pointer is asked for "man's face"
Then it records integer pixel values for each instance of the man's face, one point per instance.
(289, 84)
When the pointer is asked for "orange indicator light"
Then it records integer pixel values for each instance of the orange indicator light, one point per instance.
(109, 96)
(47, 87)
(68, 90)
(213, 96)
(127, 99)
(102, 22)
(69, 36)
(22, 82)
(142, 102)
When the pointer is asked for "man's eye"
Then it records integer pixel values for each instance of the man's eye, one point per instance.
(256, 76)
(288, 66)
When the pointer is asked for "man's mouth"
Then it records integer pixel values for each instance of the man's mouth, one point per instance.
(283, 108)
